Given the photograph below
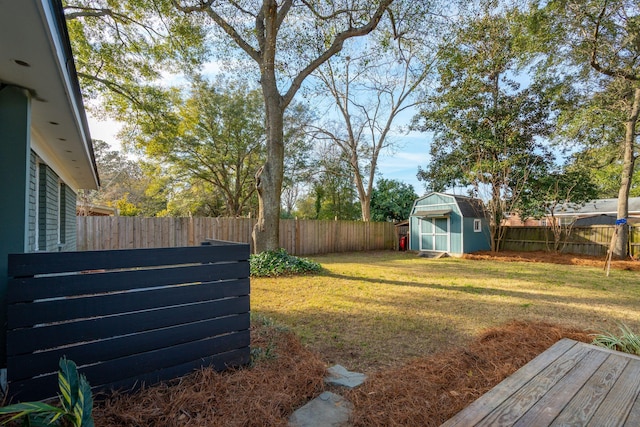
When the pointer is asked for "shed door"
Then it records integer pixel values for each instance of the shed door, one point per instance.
(434, 234)
(441, 234)
(426, 234)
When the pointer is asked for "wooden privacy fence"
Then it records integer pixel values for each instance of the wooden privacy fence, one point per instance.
(125, 316)
(591, 240)
(298, 237)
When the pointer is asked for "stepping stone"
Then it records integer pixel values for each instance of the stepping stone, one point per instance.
(326, 410)
(338, 375)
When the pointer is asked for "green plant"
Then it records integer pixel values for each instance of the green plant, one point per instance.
(76, 403)
(627, 342)
(279, 262)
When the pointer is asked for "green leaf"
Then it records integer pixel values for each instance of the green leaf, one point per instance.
(29, 408)
(68, 383)
(85, 404)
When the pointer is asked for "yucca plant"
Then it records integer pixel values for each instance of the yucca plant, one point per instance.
(76, 403)
(627, 342)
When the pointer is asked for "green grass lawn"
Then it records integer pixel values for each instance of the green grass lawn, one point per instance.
(376, 309)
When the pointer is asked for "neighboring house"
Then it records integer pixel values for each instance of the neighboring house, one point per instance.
(88, 209)
(448, 223)
(513, 219)
(598, 212)
(46, 154)
(595, 212)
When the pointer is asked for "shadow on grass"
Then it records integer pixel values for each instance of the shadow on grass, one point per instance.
(478, 290)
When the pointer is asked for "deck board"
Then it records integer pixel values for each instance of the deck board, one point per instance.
(580, 407)
(620, 399)
(634, 415)
(483, 406)
(572, 383)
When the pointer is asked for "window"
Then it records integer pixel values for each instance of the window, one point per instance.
(543, 222)
(477, 225)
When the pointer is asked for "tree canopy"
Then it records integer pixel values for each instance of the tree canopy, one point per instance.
(285, 41)
(487, 126)
(392, 200)
(594, 45)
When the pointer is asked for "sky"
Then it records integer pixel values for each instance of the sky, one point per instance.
(401, 165)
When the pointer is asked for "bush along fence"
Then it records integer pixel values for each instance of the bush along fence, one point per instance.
(593, 240)
(298, 237)
(125, 316)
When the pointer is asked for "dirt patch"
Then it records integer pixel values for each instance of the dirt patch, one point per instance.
(547, 257)
(427, 392)
(285, 377)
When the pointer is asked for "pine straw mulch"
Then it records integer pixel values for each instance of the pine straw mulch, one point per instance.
(423, 392)
(285, 376)
(552, 258)
(428, 391)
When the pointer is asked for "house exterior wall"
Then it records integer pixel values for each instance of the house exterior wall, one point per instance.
(15, 122)
(70, 237)
(33, 193)
(52, 225)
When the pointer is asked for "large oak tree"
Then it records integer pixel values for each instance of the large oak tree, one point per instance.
(596, 45)
(284, 40)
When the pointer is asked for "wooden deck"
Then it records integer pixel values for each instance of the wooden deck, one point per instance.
(570, 384)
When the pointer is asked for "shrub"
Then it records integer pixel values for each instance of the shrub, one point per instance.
(76, 403)
(279, 263)
(627, 342)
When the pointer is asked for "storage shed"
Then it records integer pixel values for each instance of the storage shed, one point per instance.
(447, 223)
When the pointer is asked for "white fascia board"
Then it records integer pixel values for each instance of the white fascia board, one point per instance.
(55, 39)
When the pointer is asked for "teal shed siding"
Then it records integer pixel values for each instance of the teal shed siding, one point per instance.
(476, 241)
(428, 213)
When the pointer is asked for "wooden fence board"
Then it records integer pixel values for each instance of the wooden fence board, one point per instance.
(218, 362)
(309, 237)
(593, 240)
(27, 289)
(299, 237)
(127, 315)
(60, 262)
(107, 304)
(29, 340)
(112, 348)
(134, 365)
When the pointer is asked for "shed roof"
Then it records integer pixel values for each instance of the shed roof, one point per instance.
(469, 207)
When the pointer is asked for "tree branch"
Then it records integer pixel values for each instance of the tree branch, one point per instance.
(231, 32)
(282, 13)
(318, 15)
(594, 53)
(189, 9)
(335, 47)
(206, 6)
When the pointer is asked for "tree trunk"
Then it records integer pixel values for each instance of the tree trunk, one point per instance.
(497, 214)
(365, 199)
(270, 176)
(365, 207)
(620, 249)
